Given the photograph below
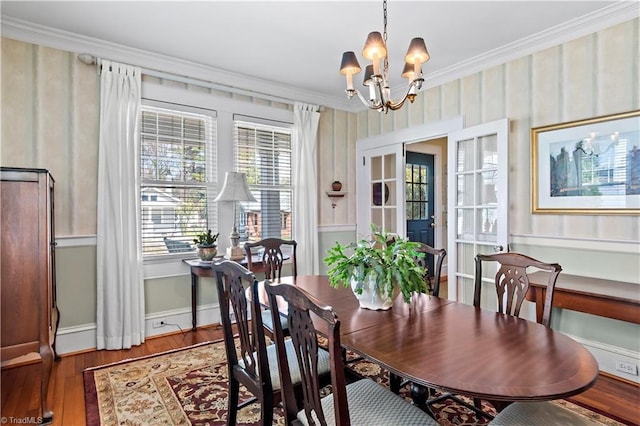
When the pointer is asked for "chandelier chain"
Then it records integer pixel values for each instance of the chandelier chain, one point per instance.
(384, 37)
(377, 79)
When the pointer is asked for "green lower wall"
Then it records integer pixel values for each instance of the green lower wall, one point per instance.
(171, 293)
(76, 288)
(611, 265)
(328, 239)
(76, 285)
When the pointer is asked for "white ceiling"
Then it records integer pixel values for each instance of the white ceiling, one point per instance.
(292, 49)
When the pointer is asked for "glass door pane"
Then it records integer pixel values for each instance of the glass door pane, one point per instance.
(382, 189)
(478, 203)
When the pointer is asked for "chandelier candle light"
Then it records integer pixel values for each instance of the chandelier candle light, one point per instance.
(235, 189)
(377, 80)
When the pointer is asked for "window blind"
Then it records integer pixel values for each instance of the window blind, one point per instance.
(263, 152)
(177, 175)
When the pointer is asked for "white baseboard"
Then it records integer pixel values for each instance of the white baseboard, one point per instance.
(608, 355)
(83, 337)
(75, 339)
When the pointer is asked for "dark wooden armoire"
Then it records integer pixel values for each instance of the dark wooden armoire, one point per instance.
(28, 285)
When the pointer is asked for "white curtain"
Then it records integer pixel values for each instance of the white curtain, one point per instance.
(305, 183)
(120, 292)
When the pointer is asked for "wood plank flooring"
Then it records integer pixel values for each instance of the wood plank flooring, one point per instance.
(20, 385)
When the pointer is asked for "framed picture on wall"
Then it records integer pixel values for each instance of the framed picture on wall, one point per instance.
(587, 167)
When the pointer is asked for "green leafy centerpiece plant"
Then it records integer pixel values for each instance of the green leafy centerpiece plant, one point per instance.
(206, 244)
(377, 269)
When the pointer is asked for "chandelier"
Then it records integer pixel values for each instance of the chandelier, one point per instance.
(375, 49)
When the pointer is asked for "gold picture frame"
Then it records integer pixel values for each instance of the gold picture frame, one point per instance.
(587, 166)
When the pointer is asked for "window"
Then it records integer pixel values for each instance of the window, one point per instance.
(177, 153)
(263, 152)
(417, 182)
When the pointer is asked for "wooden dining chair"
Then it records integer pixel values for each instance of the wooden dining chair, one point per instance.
(362, 402)
(273, 260)
(251, 369)
(272, 257)
(253, 364)
(512, 282)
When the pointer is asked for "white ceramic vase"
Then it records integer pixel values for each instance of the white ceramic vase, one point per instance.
(369, 297)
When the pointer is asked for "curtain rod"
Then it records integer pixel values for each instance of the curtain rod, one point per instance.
(89, 59)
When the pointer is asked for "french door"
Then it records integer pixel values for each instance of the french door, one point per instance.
(477, 201)
(420, 199)
(382, 174)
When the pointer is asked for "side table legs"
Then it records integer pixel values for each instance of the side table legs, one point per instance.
(194, 289)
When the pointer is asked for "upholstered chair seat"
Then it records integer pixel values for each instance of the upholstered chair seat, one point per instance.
(372, 404)
(539, 413)
(272, 356)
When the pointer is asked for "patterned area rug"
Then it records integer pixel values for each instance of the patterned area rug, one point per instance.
(189, 387)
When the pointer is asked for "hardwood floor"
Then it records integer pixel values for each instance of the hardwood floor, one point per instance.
(20, 385)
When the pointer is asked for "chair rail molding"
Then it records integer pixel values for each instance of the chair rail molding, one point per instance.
(599, 244)
(75, 240)
(337, 228)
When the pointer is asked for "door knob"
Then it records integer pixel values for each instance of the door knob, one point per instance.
(498, 249)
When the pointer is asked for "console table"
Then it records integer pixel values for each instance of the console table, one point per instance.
(586, 294)
(203, 269)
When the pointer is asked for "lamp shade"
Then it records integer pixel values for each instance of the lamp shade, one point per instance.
(349, 64)
(374, 47)
(368, 72)
(408, 71)
(417, 52)
(235, 188)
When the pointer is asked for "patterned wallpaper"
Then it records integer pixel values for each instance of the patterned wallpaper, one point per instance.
(591, 76)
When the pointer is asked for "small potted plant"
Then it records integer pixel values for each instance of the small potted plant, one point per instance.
(377, 269)
(206, 244)
(336, 185)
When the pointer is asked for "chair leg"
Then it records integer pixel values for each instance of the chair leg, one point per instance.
(394, 382)
(234, 395)
(267, 409)
(477, 403)
(476, 407)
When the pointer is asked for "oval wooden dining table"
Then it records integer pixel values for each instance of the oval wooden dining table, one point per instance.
(459, 348)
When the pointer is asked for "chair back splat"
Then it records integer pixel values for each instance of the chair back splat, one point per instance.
(305, 341)
(512, 281)
(432, 278)
(252, 367)
(272, 261)
(272, 256)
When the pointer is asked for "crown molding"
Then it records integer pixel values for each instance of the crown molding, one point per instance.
(614, 14)
(599, 20)
(265, 89)
(222, 79)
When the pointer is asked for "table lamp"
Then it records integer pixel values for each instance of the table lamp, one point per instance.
(234, 189)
